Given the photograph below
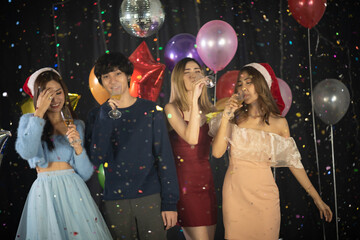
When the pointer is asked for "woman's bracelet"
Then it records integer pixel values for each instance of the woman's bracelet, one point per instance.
(228, 115)
(75, 141)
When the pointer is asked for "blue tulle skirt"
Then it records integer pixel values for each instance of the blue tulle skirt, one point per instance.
(59, 206)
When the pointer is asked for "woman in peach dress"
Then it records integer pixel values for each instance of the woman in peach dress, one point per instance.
(259, 139)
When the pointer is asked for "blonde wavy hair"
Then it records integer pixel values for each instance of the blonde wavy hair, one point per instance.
(178, 93)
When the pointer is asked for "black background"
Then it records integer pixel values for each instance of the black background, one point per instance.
(266, 33)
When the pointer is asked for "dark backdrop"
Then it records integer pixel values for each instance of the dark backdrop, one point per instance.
(69, 36)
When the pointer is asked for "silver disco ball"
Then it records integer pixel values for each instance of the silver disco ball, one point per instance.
(141, 18)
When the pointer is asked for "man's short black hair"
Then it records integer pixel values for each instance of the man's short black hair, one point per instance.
(109, 62)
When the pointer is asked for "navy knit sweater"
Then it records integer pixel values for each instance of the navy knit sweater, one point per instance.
(135, 151)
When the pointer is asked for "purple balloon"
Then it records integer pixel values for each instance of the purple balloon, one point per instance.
(180, 46)
(216, 44)
(286, 95)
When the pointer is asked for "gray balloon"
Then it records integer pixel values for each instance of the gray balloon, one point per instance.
(331, 100)
(4, 135)
(141, 18)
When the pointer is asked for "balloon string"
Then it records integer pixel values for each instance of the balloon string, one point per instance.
(334, 179)
(314, 125)
(274, 173)
(215, 80)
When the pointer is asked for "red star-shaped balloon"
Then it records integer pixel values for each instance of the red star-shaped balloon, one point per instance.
(148, 75)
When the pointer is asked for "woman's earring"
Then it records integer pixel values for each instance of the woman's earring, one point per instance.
(245, 108)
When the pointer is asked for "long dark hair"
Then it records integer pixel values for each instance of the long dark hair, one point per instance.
(39, 86)
(267, 104)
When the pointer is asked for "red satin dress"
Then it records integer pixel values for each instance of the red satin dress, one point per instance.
(197, 204)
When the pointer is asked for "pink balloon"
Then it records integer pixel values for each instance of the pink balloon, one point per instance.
(216, 44)
(286, 95)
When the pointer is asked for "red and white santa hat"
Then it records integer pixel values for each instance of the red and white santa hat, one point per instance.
(271, 80)
(30, 81)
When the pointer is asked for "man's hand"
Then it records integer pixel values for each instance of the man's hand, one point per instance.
(169, 218)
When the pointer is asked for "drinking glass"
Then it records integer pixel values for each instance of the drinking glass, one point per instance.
(209, 81)
(115, 113)
(239, 97)
(66, 116)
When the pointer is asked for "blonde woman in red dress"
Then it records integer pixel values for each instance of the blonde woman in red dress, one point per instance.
(190, 141)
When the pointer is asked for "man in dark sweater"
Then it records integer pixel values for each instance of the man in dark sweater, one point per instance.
(141, 188)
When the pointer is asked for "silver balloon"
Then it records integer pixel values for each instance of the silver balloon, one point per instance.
(141, 18)
(4, 135)
(331, 100)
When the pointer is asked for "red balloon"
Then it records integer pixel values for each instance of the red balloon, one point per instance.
(307, 12)
(226, 84)
(148, 75)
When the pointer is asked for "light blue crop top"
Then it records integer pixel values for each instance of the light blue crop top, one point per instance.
(36, 152)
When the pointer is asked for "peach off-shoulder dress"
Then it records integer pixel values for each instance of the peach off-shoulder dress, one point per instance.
(251, 208)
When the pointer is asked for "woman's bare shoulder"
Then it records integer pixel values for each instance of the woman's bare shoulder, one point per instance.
(279, 125)
(170, 107)
(278, 120)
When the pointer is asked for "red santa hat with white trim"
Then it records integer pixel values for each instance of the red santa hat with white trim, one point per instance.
(30, 81)
(272, 82)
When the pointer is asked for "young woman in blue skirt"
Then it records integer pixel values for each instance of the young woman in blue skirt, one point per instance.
(59, 204)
